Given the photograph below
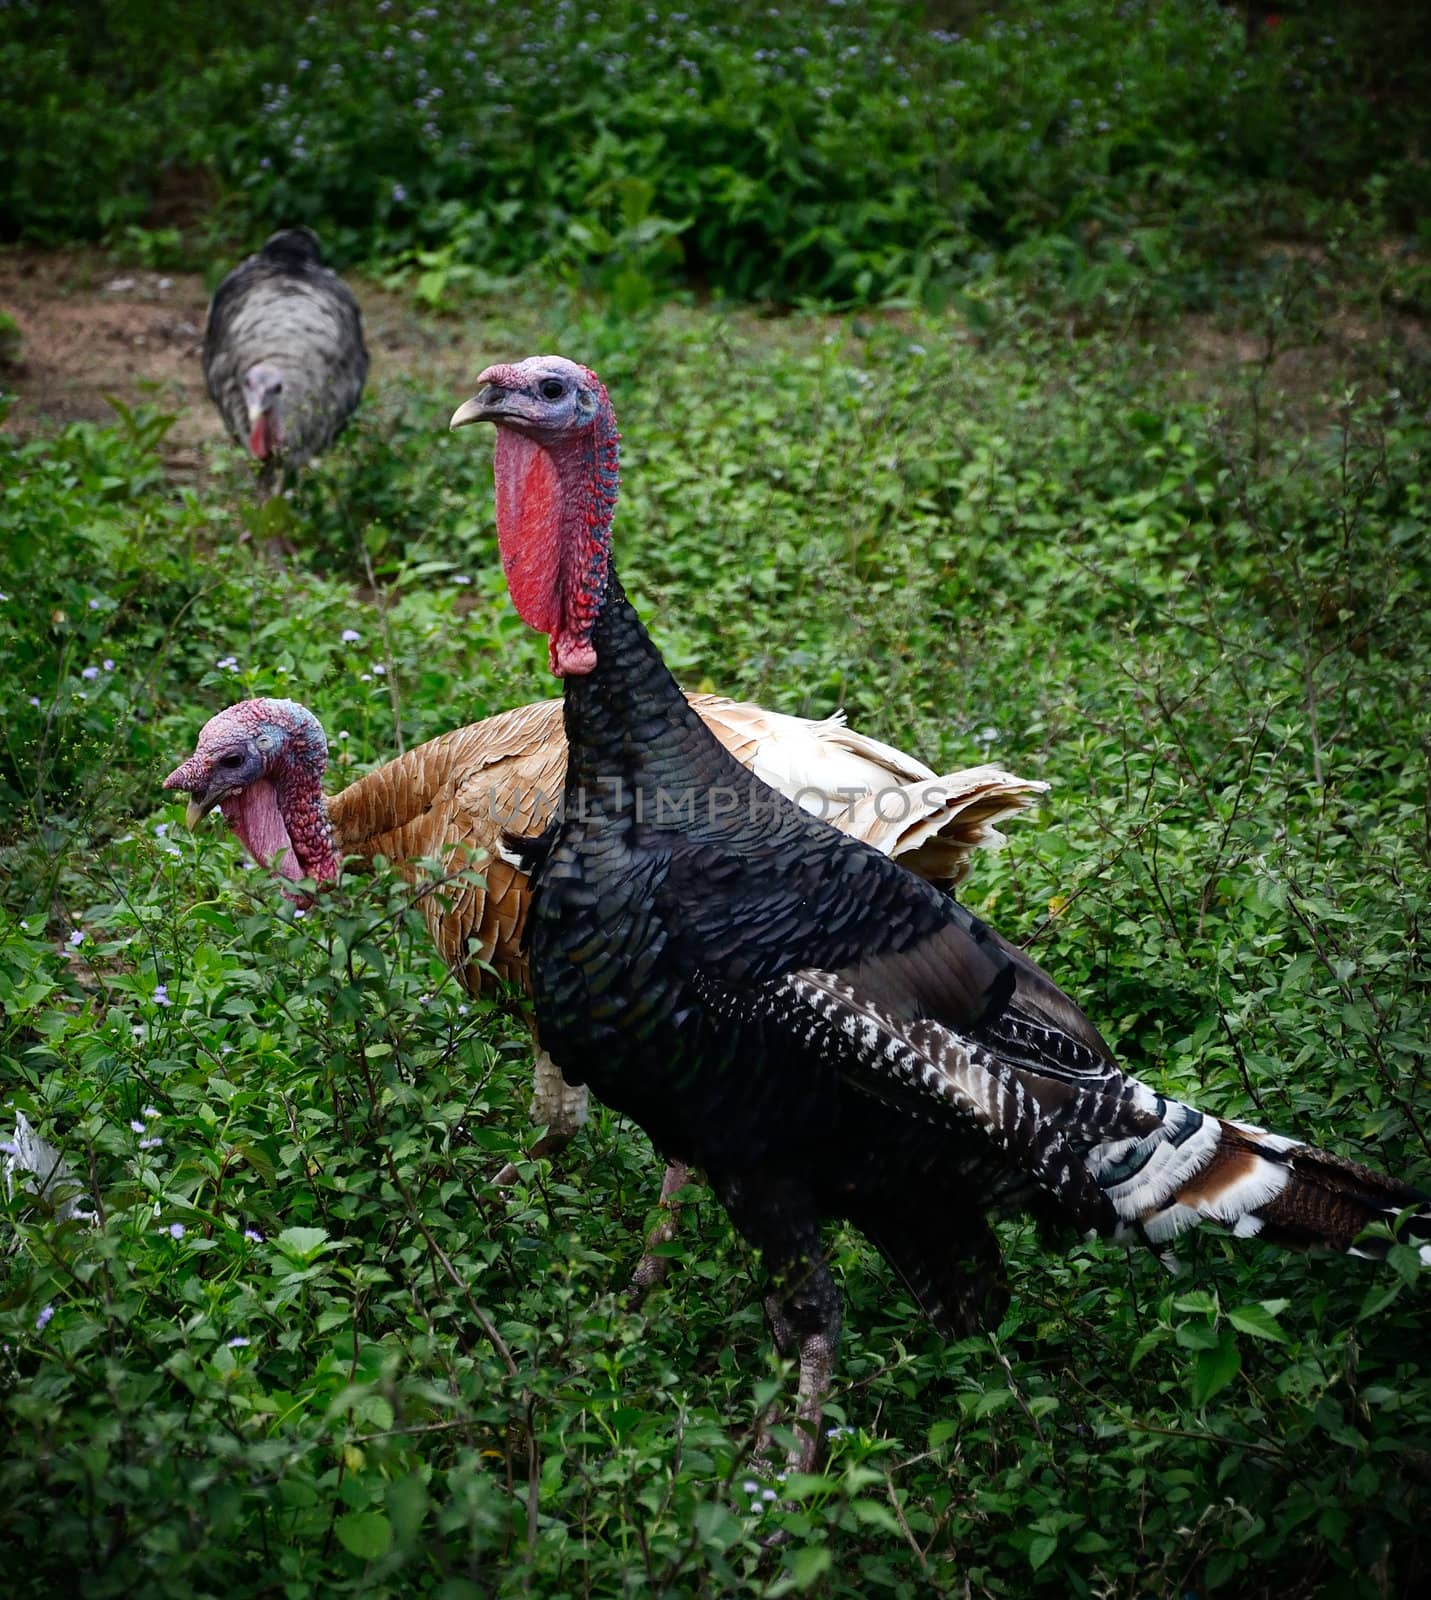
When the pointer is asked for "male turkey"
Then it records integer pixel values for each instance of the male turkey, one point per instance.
(825, 1034)
(262, 762)
(284, 357)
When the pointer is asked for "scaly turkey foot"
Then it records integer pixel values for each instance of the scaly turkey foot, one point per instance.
(651, 1269)
(550, 1144)
(817, 1362)
(559, 1105)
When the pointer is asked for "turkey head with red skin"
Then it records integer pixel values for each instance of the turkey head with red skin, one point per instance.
(261, 762)
(556, 466)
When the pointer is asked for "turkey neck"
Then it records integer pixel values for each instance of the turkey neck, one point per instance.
(298, 790)
(629, 719)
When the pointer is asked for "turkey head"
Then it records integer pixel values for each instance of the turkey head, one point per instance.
(261, 762)
(556, 465)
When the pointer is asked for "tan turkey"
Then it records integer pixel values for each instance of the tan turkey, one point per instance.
(284, 357)
(262, 763)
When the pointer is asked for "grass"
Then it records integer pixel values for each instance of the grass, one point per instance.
(1013, 509)
(307, 1347)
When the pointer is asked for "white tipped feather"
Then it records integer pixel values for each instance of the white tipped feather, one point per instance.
(36, 1167)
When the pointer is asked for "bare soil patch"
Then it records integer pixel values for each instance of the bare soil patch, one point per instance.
(90, 329)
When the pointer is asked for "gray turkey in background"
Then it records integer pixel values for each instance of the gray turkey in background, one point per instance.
(283, 354)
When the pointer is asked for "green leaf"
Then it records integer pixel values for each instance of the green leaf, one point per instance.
(1215, 1368)
(1259, 1320)
(808, 1565)
(1041, 1547)
(366, 1534)
(301, 1243)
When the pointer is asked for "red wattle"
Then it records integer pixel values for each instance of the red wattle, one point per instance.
(263, 441)
(529, 528)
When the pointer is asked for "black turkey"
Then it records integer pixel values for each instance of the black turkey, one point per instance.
(825, 1034)
(283, 354)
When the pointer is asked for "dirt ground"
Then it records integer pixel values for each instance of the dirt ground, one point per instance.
(89, 329)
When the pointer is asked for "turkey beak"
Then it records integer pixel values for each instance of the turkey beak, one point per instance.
(202, 799)
(487, 405)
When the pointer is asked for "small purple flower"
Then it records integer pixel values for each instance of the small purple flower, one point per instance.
(365, 677)
(253, 1235)
(90, 673)
(462, 578)
(161, 995)
(176, 1230)
(150, 1144)
(151, 1112)
(238, 1342)
(42, 1321)
(343, 733)
(137, 1126)
(227, 664)
(399, 194)
(34, 700)
(108, 664)
(380, 669)
(160, 829)
(94, 605)
(77, 938)
(351, 636)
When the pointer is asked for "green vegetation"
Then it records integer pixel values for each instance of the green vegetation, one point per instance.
(1206, 626)
(1181, 569)
(847, 151)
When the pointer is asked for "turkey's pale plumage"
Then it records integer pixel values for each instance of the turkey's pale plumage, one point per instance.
(452, 798)
(284, 357)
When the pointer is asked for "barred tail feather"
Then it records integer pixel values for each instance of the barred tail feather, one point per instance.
(1194, 1168)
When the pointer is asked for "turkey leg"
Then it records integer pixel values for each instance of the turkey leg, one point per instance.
(651, 1269)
